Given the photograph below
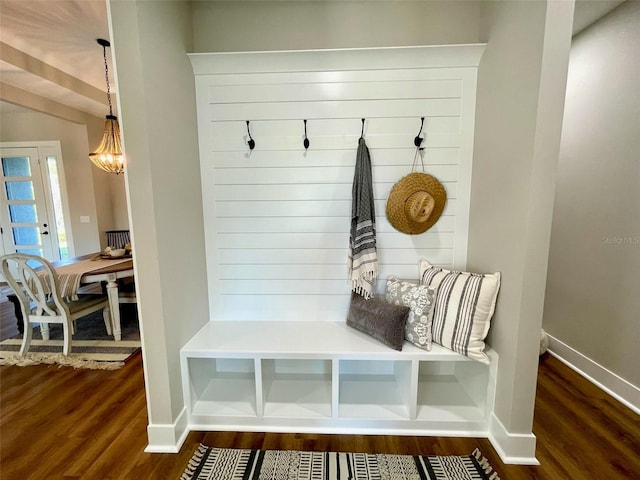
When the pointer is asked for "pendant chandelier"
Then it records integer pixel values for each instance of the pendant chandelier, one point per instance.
(108, 156)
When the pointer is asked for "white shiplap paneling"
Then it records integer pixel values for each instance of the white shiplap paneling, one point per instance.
(277, 218)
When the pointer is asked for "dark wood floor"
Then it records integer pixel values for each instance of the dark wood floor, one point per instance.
(60, 423)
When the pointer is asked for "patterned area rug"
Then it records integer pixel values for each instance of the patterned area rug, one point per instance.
(237, 464)
(91, 347)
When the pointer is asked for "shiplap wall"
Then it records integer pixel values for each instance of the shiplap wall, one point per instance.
(277, 218)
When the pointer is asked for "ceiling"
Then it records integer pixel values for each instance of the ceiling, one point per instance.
(60, 34)
(49, 48)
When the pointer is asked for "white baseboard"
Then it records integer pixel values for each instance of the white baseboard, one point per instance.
(614, 385)
(513, 448)
(168, 438)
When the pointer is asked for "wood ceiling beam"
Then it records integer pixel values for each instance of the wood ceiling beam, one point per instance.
(24, 98)
(30, 64)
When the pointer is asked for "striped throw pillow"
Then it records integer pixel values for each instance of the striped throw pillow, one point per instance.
(462, 309)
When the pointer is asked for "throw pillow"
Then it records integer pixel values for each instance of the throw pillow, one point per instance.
(379, 319)
(462, 310)
(419, 298)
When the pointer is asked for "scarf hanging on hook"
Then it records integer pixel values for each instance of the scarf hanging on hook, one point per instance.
(363, 260)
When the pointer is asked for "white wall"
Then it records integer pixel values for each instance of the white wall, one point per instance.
(119, 206)
(521, 84)
(157, 105)
(22, 127)
(291, 25)
(592, 302)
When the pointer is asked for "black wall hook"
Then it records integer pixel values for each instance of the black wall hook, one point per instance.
(251, 142)
(362, 132)
(306, 140)
(417, 141)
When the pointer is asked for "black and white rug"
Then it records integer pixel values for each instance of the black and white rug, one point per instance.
(238, 464)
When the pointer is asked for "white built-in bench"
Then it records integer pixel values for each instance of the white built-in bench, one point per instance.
(328, 377)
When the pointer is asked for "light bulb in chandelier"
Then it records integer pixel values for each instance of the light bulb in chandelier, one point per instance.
(108, 156)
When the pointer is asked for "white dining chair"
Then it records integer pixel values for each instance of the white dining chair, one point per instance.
(35, 283)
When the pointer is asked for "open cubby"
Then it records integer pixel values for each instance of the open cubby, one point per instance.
(296, 388)
(455, 391)
(375, 389)
(222, 386)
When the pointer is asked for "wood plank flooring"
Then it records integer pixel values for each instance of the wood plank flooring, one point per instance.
(60, 423)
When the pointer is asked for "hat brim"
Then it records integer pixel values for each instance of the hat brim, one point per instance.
(402, 190)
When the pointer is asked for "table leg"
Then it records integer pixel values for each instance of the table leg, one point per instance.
(114, 304)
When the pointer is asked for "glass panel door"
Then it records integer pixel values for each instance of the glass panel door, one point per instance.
(23, 216)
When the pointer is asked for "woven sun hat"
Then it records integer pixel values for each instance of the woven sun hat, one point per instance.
(415, 203)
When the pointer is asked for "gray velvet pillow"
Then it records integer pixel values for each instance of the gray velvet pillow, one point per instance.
(381, 320)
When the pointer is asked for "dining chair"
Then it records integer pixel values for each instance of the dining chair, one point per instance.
(35, 283)
(127, 291)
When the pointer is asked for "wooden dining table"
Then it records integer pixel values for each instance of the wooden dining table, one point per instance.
(111, 271)
(86, 269)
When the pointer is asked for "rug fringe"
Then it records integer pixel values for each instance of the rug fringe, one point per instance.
(60, 360)
(194, 462)
(484, 464)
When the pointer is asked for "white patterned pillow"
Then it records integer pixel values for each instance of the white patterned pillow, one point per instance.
(462, 309)
(419, 298)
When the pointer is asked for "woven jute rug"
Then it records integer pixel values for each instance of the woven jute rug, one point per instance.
(88, 354)
(210, 463)
(91, 347)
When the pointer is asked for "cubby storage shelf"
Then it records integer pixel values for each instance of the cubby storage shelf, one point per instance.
(328, 377)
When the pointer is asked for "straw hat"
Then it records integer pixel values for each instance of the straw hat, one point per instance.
(415, 203)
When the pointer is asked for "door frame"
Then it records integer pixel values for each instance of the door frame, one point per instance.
(46, 149)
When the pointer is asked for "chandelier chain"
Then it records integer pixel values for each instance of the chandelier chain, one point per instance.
(106, 74)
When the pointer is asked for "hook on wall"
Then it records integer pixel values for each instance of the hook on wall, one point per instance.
(306, 140)
(362, 131)
(417, 141)
(251, 142)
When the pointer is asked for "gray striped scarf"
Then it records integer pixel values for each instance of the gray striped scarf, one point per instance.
(363, 260)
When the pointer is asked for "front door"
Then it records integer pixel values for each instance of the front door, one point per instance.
(24, 213)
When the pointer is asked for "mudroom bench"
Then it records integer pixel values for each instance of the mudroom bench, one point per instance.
(327, 377)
